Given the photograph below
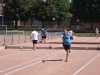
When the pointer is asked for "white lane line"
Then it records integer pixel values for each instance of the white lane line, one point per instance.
(12, 54)
(29, 61)
(86, 65)
(31, 64)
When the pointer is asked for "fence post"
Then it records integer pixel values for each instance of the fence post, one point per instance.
(4, 41)
(19, 39)
(12, 39)
(48, 36)
(25, 39)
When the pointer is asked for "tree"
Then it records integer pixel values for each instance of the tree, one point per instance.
(31, 10)
(18, 10)
(62, 10)
(58, 9)
(0, 1)
(12, 10)
(39, 10)
(25, 11)
(86, 10)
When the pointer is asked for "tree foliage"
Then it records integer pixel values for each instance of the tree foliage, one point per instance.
(18, 10)
(12, 10)
(86, 10)
(39, 9)
(25, 10)
(62, 9)
(58, 9)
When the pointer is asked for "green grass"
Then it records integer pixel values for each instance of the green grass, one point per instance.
(3, 32)
(84, 34)
(28, 32)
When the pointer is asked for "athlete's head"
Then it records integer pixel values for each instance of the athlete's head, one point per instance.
(42, 28)
(65, 31)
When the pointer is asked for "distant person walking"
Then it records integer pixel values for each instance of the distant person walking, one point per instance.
(66, 41)
(43, 35)
(97, 32)
(34, 37)
(71, 32)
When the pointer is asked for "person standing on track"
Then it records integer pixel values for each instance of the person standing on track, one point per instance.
(43, 35)
(66, 41)
(34, 37)
(97, 32)
(71, 32)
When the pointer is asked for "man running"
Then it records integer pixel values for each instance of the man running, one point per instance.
(66, 41)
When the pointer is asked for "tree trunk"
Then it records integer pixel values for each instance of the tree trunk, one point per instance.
(16, 24)
(42, 24)
(92, 25)
(58, 22)
(24, 23)
(31, 21)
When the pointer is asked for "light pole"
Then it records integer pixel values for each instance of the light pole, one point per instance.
(2, 15)
(53, 20)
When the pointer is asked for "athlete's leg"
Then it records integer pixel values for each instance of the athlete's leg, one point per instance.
(67, 53)
(34, 44)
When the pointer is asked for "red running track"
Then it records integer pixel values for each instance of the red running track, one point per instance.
(29, 62)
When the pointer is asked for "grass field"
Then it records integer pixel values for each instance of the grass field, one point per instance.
(28, 32)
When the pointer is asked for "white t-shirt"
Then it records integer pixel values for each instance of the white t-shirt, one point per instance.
(34, 35)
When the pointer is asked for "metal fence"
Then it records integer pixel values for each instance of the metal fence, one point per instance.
(15, 39)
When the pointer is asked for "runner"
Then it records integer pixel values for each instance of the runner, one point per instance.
(35, 38)
(66, 41)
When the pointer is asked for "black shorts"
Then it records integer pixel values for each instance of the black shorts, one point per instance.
(43, 36)
(66, 47)
(34, 41)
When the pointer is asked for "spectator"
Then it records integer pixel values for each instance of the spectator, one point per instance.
(71, 32)
(43, 35)
(97, 32)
